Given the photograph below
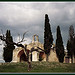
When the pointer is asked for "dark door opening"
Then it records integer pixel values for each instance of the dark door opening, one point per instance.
(41, 56)
(23, 58)
(31, 56)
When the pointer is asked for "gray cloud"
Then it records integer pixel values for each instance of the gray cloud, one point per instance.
(20, 17)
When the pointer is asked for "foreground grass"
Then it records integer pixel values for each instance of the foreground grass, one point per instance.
(38, 67)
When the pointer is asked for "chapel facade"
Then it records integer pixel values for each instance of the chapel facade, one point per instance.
(37, 53)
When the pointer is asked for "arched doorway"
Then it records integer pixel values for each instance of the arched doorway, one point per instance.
(34, 55)
(41, 56)
(22, 56)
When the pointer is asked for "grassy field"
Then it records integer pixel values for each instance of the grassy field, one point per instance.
(38, 67)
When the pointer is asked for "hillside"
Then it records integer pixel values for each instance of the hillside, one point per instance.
(37, 67)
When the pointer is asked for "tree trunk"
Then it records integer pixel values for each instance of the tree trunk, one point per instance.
(47, 57)
(72, 58)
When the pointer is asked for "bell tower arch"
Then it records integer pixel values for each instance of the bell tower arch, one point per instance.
(35, 38)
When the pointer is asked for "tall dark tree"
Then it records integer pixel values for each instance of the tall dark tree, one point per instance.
(71, 32)
(71, 43)
(74, 45)
(48, 38)
(69, 46)
(8, 49)
(59, 46)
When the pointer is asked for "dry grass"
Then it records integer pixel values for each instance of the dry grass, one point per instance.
(37, 67)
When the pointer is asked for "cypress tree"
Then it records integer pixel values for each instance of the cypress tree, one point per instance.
(74, 45)
(8, 49)
(71, 44)
(59, 46)
(48, 38)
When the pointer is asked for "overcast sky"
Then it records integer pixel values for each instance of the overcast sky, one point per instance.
(29, 16)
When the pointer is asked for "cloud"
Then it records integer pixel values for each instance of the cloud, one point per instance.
(20, 17)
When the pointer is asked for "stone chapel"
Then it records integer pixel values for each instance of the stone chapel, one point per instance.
(38, 55)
